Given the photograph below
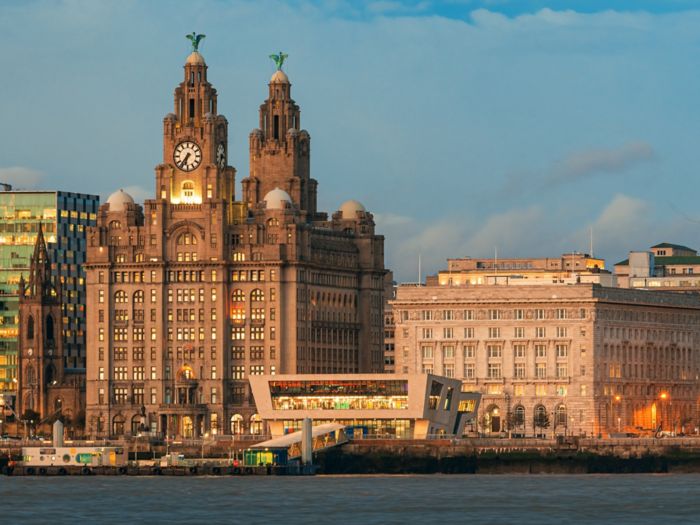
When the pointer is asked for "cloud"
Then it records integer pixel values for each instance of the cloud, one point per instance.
(578, 166)
(583, 164)
(21, 178)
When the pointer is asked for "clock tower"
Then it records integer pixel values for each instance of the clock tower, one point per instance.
(195, 143)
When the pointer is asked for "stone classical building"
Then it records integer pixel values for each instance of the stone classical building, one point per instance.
(576, 359)
(665, 266)
(568, 268)
(196, 291)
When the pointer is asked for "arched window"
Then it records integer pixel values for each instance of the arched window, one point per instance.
(30, 375)
(256, 425)
(138, 257)
(49, 328)
(114, 225)
(273, 221)
(519, 416)
(138, 296)
(238, 296)
(30, 327)
(186, 239)
(186, 372)
(120, 296)
(236, 424)
(57, 404)
(540, 418)
(118, 425)
(560, 416)
(493, 419)
(49, 374)
(257, 295)
(136, 425)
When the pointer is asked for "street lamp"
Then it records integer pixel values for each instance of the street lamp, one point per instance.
(617, 410)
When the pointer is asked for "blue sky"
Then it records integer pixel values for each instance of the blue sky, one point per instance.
(462, 125)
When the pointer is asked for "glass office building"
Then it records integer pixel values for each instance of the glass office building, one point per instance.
(64, 217)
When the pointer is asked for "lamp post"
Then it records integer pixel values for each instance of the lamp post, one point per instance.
(664, 398)
(617, 399)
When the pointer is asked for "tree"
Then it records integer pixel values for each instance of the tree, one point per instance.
(541, 418)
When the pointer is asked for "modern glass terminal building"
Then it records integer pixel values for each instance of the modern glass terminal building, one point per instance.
(64, 217)
(388, 405)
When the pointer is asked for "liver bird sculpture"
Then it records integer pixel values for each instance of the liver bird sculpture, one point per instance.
(195, 39)
(279, 59)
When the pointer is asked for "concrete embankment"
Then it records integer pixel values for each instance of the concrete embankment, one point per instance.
(511, 456)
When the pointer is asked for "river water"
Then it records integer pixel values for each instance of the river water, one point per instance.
(478, 499)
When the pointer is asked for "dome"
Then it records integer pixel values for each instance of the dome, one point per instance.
(195, 59)
(350, 208)
(280, 77)
(209, 115)
(170, 116)
(277, 199)
(118, 200)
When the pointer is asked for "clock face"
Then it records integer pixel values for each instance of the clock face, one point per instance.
(187, 155)
(221, 156)
(30, 352)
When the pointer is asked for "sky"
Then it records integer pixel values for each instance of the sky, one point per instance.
(464, 126)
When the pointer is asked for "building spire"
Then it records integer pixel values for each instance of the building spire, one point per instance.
(40, 279)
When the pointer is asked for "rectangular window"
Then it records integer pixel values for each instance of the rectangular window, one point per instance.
(561, 331)
(494, 351)
(448, 352)
(447, 333)
(494, 315)
(426, 315)
(519, 370)
(469, 371)
(238, 372)
(539, 313)
(494, 332)
(561, 313)
(540, 390)
(540, 332)
(469, 333)
(154, 373)
(519, 332)
(519, 351)
(469, 351)
(562, 370)
(447, 315)
(540, 351)
(541, 370)
(562, 351)
(494, 371)
(468, 315)
(154, 396)
(518, 314)
(427, 352)
(449, 370)
(427, 333)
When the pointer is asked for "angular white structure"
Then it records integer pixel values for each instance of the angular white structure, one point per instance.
(393, 405)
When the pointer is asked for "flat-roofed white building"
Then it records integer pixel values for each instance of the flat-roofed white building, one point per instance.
(399, 405)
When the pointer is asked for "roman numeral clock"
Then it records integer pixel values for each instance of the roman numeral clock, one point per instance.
(187, 155)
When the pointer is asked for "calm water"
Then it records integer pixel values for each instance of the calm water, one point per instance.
(542, 500)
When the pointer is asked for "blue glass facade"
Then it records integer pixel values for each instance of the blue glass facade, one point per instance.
(64, 217)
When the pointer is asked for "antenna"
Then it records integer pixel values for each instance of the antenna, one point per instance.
(591, 241)
(495, 263)
(419, 269)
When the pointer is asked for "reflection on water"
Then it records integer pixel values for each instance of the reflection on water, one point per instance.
(541, 500)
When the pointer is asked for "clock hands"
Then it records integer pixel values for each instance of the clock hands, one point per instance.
(183, 163)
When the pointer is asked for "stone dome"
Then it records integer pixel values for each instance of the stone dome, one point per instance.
(279, 77)
(119, 200)
(277, 199)
(170, 116)
(195, 59)
(350, 208)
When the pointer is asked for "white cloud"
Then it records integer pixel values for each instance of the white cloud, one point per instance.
(586, 163)
(21, 178)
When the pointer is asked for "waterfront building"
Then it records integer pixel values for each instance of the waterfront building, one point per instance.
(558, 359)
(196, 291)
(64, 216)
(46, 387)
(665, 266)
(413, 406)
(389, 324)
(568, 268)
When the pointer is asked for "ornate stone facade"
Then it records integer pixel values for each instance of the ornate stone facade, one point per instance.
(196, 291)
(46, 388)
(584, 359)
